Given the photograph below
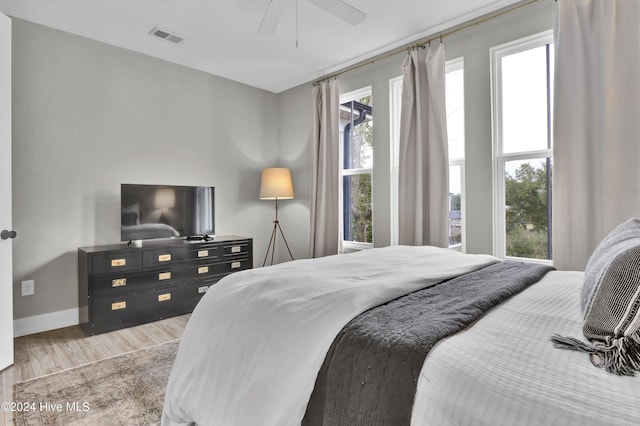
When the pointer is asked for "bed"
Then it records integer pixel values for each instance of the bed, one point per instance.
(257, 345)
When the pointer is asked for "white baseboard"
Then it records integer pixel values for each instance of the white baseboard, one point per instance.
(46, 322)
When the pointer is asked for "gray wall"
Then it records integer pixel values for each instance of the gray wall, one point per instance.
(473, 45)
(295, 153)
(88, 116)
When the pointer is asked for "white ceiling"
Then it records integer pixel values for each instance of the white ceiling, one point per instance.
(221, 36)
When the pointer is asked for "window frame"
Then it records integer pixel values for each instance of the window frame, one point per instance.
(348, 245)
(500, 158)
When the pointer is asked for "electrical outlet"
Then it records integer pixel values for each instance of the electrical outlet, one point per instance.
(28, 288)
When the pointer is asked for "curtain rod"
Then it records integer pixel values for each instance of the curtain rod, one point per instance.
(422, 43)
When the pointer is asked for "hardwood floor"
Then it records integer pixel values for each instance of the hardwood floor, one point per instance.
(53, 351)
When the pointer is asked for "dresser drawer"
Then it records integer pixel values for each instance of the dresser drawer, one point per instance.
(236, 265)
(126, 307)
(113, 284)
(194, 291)
(153, 258)
(117, 262)
(207, 270)
(205, 253)
(198, 289)
(235, 249)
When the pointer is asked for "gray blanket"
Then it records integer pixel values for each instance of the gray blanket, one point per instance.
(370, 373)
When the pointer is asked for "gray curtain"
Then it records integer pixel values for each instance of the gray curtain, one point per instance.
(596, 153)
(324, 238)
(423, 181)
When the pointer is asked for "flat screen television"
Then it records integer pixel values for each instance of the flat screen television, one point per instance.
(166, 211)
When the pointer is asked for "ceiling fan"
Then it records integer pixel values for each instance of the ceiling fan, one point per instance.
(338, 8)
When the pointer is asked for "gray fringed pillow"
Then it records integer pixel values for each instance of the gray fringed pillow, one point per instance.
(610, 303)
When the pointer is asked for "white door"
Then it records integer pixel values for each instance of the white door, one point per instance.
(6, 236)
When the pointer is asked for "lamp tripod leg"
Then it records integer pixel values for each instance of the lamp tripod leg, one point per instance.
(272, 244)
(285, 240)
(273, 247)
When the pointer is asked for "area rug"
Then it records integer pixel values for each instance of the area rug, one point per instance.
(124, 390)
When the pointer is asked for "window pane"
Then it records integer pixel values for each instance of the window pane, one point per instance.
(455, 207)
(524, 101)
(357, 119)
(527, 191)
(358, 221)
(455, 113)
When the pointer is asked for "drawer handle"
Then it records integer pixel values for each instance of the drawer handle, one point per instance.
(164, 276)
(164, 258)
(118, 262)
(236, 249)
(164, 297)
(119, 282)
(203, 289)
(235, 265)
(118, 305)
(203, 270)
(203, 253)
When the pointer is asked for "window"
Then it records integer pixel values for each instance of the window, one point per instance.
(395, 100)
(356, 135)
(455, 130)
(522, 111)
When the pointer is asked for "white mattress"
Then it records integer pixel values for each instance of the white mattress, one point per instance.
(504, 370)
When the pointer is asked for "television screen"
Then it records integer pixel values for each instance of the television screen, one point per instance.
(166, 211)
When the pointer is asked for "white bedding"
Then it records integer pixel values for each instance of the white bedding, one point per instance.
(254, 344)
(504, 369)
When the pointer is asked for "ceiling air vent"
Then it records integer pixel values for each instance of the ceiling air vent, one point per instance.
(167, 35)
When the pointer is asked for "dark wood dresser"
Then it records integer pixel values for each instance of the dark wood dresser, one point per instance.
(124, 286)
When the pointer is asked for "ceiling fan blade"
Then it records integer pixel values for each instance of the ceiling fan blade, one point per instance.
(271, 17)
(341, 10)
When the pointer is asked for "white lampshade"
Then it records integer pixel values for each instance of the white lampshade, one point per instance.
(276, 184)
